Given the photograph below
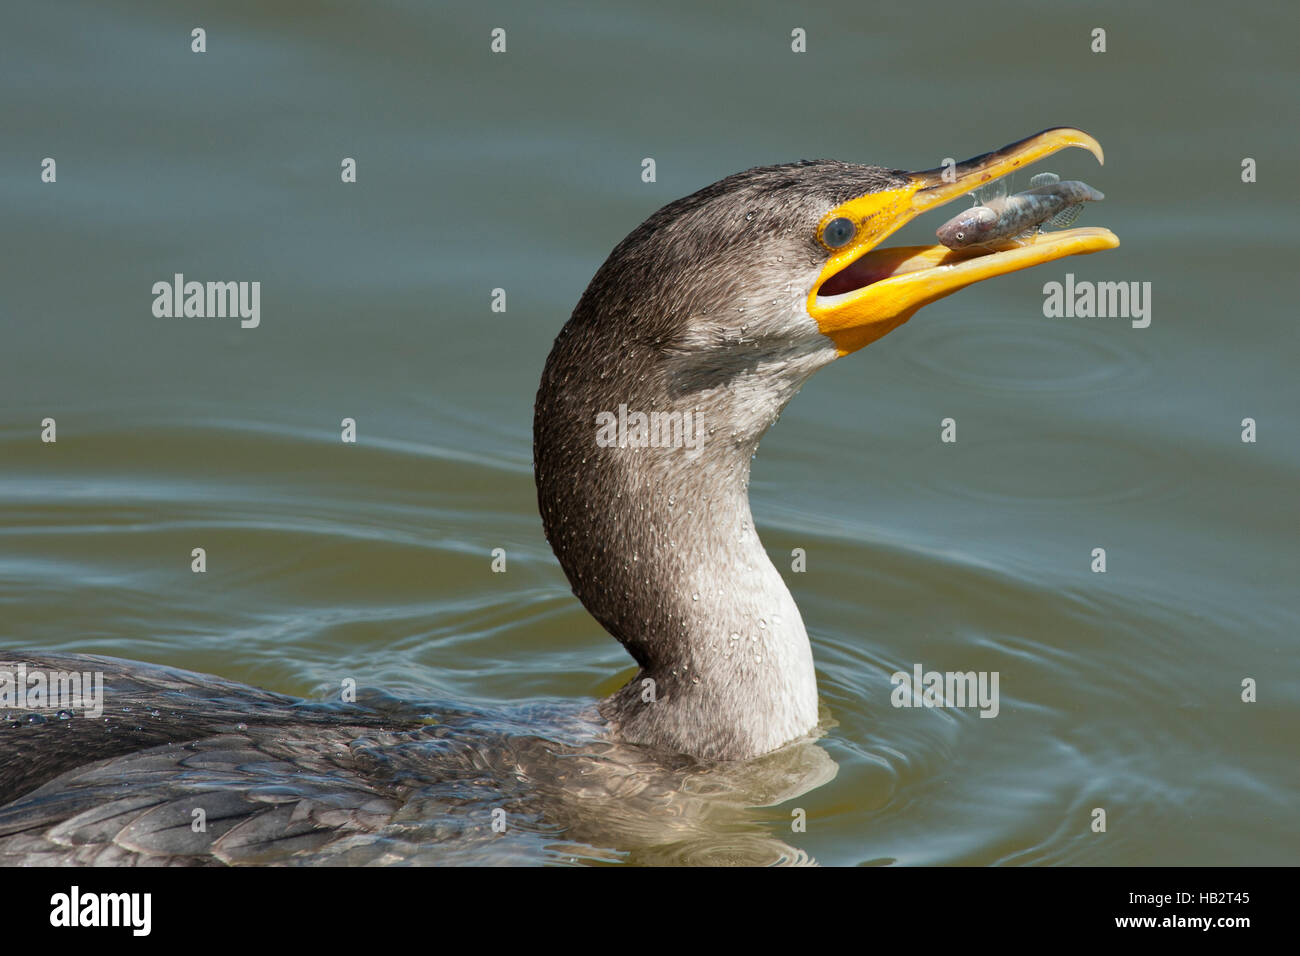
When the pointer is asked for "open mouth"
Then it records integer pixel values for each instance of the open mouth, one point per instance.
(865, 291)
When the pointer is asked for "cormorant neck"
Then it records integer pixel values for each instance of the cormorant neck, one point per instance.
(660, 546)
(726, 667)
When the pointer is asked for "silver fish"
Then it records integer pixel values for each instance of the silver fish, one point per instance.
(1048, 202)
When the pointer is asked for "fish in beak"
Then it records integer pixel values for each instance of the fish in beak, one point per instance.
(865, 291)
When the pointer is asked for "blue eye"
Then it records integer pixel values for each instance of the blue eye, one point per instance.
(838, 232)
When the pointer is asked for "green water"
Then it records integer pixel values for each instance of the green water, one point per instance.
(520, 171)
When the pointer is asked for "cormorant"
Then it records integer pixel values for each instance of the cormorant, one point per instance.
(685, 347)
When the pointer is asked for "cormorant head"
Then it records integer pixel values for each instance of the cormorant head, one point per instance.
(783, 262)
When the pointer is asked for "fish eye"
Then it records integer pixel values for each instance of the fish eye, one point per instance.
(838, 232)
(961, 235)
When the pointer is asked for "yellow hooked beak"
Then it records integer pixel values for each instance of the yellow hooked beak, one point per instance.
(864, 292)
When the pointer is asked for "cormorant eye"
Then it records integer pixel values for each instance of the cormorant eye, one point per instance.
(838, 232)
